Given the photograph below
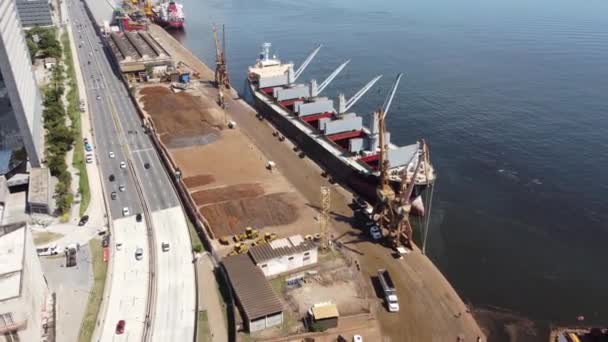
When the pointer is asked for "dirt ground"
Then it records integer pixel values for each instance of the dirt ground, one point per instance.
(224, 172)
(335, 278)
(182, 117)
(335, 282)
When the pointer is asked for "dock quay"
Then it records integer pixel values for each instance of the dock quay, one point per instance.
(226, 184)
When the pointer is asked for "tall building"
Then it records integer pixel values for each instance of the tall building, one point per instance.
(20, 98)
(34, 12)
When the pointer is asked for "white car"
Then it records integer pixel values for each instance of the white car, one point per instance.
(123, 165)
(118, 246)
(121, 188)
(89, 159)
(375, 232)
(125, 211)
(357, 338)
(112, 155)
(139, 253)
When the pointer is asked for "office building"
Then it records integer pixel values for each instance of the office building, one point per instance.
(20, 98)
(34, 12)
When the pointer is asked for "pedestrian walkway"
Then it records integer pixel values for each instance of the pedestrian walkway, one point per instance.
(209, 299)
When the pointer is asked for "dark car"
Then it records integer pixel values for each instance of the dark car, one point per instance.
(113, 195)
(147, 165)
(112, 178)
(120, 327)
(138, 218)
(83, 220)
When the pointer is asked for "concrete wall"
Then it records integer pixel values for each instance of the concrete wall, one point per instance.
(16, 69)
(288, 263)
(265, 322)
(34, 12)
(31, 304)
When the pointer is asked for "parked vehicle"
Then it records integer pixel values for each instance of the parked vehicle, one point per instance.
(111, 154)
(120, 327)
(138, 217)
(139, 253)
(165, 246)
(118, 246)
(121, 188)
(123, 165)
(83, 220)
(388, 288)
(375, 232)
(112, 177)
(113, 195)
(125, 211)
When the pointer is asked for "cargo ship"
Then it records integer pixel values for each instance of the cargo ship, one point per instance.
(169, 14)
(334, 137)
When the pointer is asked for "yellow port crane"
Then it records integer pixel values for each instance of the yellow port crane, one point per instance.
(392, 209)
(221, 69)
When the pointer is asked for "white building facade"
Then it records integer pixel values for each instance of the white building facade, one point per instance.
(19, 84)
(25, 300)
(284, 255)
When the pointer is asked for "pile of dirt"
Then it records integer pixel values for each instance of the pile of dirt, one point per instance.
(227, 193)
(180, 114)
(232, 217)
(198, 180)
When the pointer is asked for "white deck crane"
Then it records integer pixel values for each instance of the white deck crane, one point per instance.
(315, 89)
(377, 134)
(292, 75)
(344, 105)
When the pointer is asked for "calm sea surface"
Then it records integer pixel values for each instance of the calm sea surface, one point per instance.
(511, 95)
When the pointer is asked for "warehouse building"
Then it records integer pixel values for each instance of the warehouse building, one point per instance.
(35, 12)
(259, 305)
(25, 301)
(137, 50)
(284, 255)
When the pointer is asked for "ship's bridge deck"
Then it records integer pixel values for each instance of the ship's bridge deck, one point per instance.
(269, 71)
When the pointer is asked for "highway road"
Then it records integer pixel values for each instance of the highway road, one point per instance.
(117, 128)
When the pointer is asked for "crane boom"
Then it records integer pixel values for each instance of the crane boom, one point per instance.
(331, 77)
(389, 99)
(344, 105)
(306, 62)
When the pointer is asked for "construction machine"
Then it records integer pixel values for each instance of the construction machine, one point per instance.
(147, 8)
(239, 248)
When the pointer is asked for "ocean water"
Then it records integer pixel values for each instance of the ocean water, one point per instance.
(512, 97)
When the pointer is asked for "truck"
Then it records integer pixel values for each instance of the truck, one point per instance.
(388, 288)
